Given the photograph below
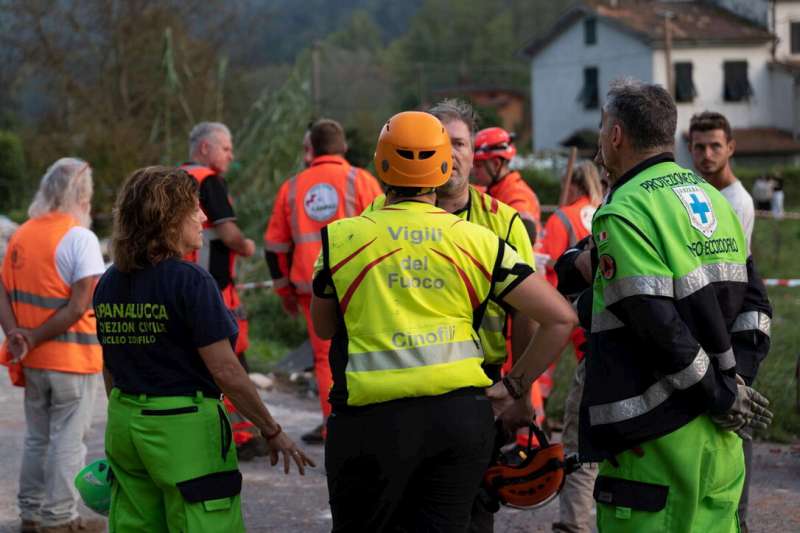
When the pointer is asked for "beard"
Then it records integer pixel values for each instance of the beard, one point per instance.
(454, 185)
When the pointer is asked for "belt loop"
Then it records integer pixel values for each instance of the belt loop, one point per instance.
(115, 393)
(143, 397)
(198, 397)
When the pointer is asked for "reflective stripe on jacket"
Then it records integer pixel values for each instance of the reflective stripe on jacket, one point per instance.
(36, 292)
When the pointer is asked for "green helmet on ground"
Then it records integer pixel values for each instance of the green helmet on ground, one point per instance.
(94, 485)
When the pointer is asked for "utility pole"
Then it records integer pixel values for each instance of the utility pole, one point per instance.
(668, 51)
(315, 79)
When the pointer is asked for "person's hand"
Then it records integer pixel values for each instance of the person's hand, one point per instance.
(249, 247)
(500, 398)
(748, 412)
(289, 303)
(519, 414)
(20, 341)
(282, 444)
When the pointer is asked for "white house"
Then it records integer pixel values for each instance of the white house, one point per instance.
(738, 57)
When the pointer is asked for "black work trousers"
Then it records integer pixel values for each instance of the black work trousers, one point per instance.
(410, 465)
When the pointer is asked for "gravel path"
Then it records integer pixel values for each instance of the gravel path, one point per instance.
(277, 503)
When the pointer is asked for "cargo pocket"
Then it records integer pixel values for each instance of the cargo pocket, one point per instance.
(225, 432)
(626, 505)
(214, 491)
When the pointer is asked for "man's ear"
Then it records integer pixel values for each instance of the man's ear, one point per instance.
(732, 146)
(616, 135)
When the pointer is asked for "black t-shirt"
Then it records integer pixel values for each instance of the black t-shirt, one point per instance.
(150, 323)
(215, 201)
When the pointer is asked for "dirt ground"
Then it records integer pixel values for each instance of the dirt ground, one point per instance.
(277, 503)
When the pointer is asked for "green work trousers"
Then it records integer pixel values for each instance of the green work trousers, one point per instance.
(687, 481)
(174, 467)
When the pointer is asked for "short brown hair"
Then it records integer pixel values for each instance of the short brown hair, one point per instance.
(451, 109)
(708, 121)
(327, 138)
(148, 216)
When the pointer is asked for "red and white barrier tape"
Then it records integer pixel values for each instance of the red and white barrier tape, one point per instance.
(254, 285)
(782, 282)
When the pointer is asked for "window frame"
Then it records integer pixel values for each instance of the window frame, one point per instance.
(677, 67)
(733, 90)
(590, 31)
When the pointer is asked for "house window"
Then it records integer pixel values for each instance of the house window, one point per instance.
(590, 31)
(589, 95)
(684, 84)
(737, 86)
(795, 37)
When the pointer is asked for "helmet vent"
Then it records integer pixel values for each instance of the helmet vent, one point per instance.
(385, 165)
(406, 154)
(444, 167)
(426, 154)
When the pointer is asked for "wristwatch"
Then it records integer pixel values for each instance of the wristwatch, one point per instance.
(513, 387)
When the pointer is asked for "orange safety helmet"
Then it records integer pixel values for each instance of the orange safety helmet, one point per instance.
(532, 483)
(414, 151)
(492, 143)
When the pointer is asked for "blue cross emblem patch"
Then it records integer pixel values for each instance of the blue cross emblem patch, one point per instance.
(699, 208)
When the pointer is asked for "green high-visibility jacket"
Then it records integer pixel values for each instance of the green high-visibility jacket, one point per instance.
(670, 284)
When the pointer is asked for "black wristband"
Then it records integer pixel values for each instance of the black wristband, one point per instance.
(513, 391)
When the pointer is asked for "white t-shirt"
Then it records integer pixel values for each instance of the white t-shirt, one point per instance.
(742, 204)
(78, 255)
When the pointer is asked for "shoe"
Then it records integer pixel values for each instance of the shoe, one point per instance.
(255, 447)
(92, 525)
(29, 526)
(314, 436)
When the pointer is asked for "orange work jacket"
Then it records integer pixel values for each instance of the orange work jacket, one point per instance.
(564, 229)
(511, 189)
(229, 294)
(36, 292)
(328, 190)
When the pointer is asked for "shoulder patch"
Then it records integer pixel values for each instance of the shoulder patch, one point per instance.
(608, 267)
(321, 202)
(698, 205)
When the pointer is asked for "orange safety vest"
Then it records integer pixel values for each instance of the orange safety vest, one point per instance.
(230, 296)
(328, 190)
(511, 189)
(36, 292)
(568, 225)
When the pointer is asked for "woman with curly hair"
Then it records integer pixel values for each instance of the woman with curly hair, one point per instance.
(167, 346)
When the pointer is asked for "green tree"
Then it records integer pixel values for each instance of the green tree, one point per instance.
(14, 187)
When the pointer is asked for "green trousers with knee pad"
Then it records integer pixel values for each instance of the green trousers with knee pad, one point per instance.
(174, 465)
(687, 481)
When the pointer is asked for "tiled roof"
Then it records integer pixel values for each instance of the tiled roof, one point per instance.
(693, 23)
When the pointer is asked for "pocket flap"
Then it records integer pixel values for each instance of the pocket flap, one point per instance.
(211, 486)
(636, 495)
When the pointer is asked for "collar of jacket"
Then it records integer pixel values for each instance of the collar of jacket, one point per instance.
(638, 169)
(323, 159)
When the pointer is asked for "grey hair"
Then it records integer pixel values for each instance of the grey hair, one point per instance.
(645, 111)
(455, 109)
(202, 131)
(66, 184)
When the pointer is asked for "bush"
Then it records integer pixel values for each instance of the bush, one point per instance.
(13, 185)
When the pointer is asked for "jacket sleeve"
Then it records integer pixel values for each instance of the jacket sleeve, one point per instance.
(637, 287)
(750, 333)
(278, 244)
(518, 238)
(570, 280)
